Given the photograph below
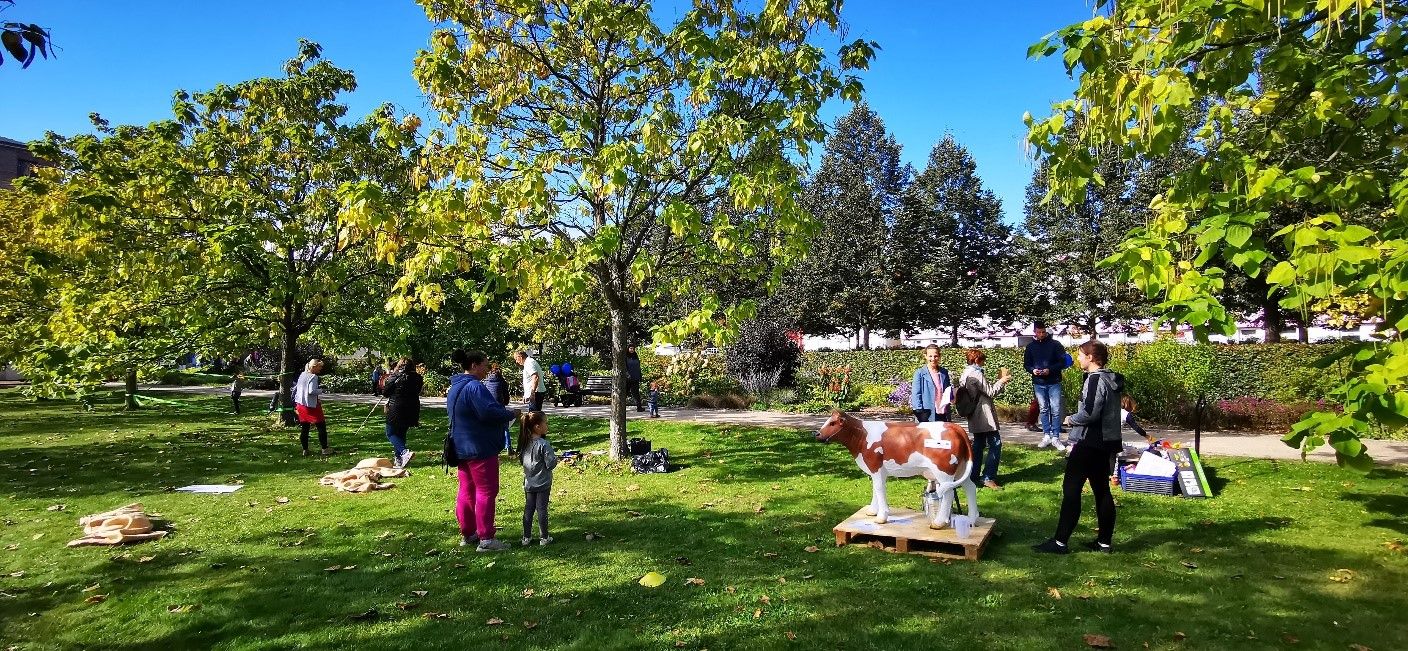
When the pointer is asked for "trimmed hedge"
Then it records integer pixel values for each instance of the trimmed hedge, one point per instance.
(1164, 377)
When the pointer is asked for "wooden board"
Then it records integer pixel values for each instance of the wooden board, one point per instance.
(908, 532)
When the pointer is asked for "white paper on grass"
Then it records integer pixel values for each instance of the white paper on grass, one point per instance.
(211, 488)
(1154, 465)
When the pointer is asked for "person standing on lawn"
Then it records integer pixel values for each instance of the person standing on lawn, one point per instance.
(477, 423)
(402, 390)
(236, 388)
(308, 405)
(496, 385)
(931, 391)
(1095, 432)
(982, 422)
(1045, 358)
(535, 384)
(538, 459)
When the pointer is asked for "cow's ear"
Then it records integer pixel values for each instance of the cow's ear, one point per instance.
(836, 412)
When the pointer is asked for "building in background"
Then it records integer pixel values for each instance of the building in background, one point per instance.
(15, 161)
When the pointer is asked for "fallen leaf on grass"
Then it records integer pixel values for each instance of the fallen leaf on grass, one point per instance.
(633, 487)
(281, 500)
(808, 577)
(790, 635)
(1055, 594)
(37, 536)
(634, 514)
(384, 535)
(530, 625)
(776, 487)
(1098, 641)
(490, 564)
(370, 613)
(182, 608)
(404, 605)
(56, 507)
(146, 559)
(332, 568)
(1290, 639)
(769, 554)
(1196, 550)
(811, 549)
(96, 599)
(1359, 647)
(10, 548)
(91, 587)
(1180, 636)
(1342, 576)
(527, 592)
(758, 508)
(782, 580)
(1191, 566)
(679, 644)
(767, 601)
(436, 615)
(694, 580)
(683, 560)
(757, 613)
(1396, 546)
(706, 505)
(493, 621)
(432, 552)
(730, 589)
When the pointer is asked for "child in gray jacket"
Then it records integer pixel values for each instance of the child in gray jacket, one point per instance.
(538, 459)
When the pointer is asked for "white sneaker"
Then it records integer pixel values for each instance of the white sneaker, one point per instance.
(491, 545)
(527, 541)
(405, 459)
(545, 540)
(1045, 441)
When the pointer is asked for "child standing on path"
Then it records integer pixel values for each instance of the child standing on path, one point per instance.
(654, 399)
(538, 459)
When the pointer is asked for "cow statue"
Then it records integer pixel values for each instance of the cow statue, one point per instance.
(938, 451)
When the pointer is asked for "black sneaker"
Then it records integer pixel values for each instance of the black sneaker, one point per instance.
(1051, 547)
(1095, 546)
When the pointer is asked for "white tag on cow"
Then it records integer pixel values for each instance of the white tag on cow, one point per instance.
(938, 443)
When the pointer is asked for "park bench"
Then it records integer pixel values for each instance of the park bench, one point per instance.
(592, 385)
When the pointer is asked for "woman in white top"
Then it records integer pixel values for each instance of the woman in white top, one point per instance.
(308, 404)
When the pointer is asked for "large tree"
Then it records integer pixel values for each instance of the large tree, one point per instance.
(950, 248)
(220, 229)
(1275, 77)
(1065, 243)
(844, 283)
(589, 149)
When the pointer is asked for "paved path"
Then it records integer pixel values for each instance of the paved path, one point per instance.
(1229, 444)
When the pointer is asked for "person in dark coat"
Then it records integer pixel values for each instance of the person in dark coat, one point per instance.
(402, 390)
(633, 376)
(496, 385)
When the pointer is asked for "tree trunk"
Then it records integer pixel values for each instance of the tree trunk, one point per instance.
(288, 376)
(1091, 327)
(953, 336)
(618, 384)
(865, 337)
(131, 386)
(1272, 321)
(1302, 333)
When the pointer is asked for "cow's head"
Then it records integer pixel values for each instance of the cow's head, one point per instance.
(832, 427)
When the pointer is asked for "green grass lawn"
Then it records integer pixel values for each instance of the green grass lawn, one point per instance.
(1288, 555)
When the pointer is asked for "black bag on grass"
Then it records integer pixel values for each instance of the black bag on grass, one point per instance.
(639, 446)
(650, 462)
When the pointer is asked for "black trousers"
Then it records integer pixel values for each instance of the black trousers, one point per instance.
(322, 435)
(1087, 463)
(535, 402)
(236, 397)
(535, 502)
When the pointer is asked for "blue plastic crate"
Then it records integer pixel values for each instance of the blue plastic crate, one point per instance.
(1151, 484)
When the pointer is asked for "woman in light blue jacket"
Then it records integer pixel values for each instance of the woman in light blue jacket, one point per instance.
(931, 391)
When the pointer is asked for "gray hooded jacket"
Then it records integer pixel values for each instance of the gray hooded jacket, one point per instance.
(538, 461)
(1097, 417)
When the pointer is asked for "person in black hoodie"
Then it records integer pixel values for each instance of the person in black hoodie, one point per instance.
(402, 390)
(1045, 358)
(1095, 431)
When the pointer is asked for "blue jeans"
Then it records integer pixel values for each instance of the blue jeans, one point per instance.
(985, 467)
(1048, 397)
(397, 435)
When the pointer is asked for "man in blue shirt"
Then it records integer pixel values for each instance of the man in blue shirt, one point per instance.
(1045, 358)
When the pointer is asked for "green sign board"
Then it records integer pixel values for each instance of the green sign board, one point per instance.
(1191, 480)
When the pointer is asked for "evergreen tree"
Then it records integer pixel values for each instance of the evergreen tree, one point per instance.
(951, 250)
(844, 284)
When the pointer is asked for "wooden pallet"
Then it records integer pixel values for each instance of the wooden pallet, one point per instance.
(908, 532)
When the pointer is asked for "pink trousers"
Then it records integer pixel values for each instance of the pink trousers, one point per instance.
(474, 505)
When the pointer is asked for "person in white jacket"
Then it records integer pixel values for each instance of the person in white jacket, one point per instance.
(973, 390)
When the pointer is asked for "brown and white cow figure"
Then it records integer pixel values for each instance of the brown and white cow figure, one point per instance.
(940, 452)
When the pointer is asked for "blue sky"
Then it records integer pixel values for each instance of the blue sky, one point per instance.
(945, 66)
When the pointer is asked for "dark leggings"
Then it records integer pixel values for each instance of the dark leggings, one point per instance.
(322, 434)
(1087, 463)
(236, 397)
(535, 501)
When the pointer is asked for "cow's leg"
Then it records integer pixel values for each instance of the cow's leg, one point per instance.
(873, 508)
(945, 511)
(971, 490)
(877, 488)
